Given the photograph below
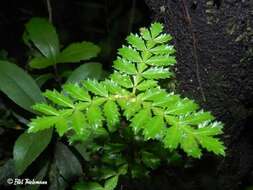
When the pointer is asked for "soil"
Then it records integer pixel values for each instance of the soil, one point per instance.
(211, 69)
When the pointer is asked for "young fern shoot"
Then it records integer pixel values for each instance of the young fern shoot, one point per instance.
(96, 108)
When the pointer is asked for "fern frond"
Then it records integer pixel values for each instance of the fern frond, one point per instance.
(132, 93)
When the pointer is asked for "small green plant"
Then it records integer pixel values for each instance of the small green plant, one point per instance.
(127, 124)
(42, 35)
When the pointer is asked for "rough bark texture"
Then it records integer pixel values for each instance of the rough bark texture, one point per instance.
(213, 41)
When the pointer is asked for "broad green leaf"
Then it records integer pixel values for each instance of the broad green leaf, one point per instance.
(161, 61)
(140, 119)
(111, 112)
(154, 128)
(75, 91)
(19, 86)
(95, 87)
(147, 84)
(58, 98)
(190, 145)
(41, 123)
(122, 79)
(41, 62)
(67, 163)
(28, 147)
(86, 71)
(124, 66)
(136, 41)
(43, 36)
(212, 145)
(88, 186)
(173, 137)
(77, 52)
(156, 73)
(45, 109)
(111, 183)
(94, 116)
(130, 54)
(156, 29)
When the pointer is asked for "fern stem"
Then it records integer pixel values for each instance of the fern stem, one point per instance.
(49, 9)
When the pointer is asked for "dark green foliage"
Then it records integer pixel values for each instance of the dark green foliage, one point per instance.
(44, 37)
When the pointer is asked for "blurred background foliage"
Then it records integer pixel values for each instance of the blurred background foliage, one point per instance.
(104, 22)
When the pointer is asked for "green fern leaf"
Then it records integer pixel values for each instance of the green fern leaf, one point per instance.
(75, 91)
(166, 100)
(182, 107)
(190, 145)
(154, 94)
(121, 79)
(111, 112)
(145, 33)
(212, 145)
(147, 84)
(157, 73)
(172, 137)
(154, 129)
(45, 109)
(140, 119)
(124, 66)
(79, 123)
(111, 183)
(61, 126)
(130, 54)
(94, 116)
(161, 61)
(156, 29)
(112, 87)
(41, 123)
(210, 129)
(95, 87)
(163, 38)
(153, 113)
(136, 42)
(163, 50)
(131, 108)
(199, 117)
(58, 98)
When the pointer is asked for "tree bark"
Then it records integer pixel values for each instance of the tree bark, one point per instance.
(214, 43)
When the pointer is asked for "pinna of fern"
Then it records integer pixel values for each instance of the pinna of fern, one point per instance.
(93, 108)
